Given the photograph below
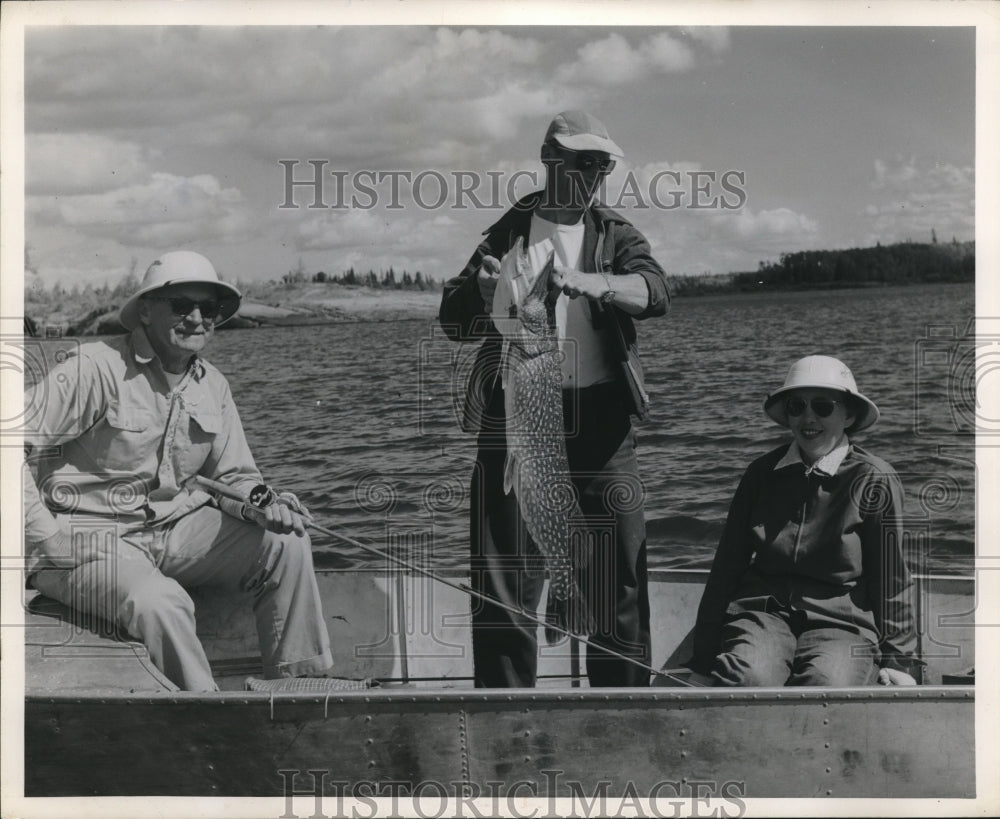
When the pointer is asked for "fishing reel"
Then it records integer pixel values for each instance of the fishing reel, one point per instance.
(262, 496)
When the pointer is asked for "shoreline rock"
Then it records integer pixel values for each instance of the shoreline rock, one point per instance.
(301, 309)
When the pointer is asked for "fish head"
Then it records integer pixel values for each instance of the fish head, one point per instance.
(524, 304)
(537, 310)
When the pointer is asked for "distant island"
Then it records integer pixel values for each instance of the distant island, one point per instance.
(879, 266)
(320, 298)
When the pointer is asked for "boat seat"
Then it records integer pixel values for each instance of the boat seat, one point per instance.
(67, 651)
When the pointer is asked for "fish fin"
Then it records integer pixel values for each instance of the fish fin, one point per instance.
(509, 472)
(502, 369)
(556, 614)
(552, 293)
(515, 255)
(571, 614)
(520, 257)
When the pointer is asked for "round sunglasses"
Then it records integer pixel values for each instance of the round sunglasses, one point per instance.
(183, 306)
(821, 407)
(583, 161)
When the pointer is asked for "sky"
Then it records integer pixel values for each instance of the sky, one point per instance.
(741, 142)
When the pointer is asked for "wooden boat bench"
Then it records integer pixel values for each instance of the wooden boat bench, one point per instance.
(67, 651)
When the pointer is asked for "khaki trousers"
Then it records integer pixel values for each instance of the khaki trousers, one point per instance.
(137, 581)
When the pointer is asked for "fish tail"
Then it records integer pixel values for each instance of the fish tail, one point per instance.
(556, 619)
(570, 614)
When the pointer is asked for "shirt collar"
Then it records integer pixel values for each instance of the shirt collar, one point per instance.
(143, 351)
(826, 466)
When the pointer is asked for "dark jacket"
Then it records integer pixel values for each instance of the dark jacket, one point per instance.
(830, 546)
(611, 245)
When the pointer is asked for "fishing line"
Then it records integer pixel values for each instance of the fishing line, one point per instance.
(229, 492)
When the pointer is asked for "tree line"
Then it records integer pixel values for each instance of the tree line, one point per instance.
(386, 280)
(894, 264)
(902, 263)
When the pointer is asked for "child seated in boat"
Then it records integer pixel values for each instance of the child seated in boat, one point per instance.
(809, 585)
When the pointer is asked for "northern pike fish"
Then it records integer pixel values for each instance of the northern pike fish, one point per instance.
(537, 467)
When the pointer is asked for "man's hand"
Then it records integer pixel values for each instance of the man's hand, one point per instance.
(575, 284)
(279, 517)
(489, 274)
(892, 676)
(56, 551)
(631, 293)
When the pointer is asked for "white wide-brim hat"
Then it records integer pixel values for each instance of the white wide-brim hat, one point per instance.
(181, 267)
(827, 373)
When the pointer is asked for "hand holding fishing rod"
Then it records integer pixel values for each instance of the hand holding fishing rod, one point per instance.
(280, 512)
(254, 498)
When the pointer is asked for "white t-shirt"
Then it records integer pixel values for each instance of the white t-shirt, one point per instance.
(586, 359)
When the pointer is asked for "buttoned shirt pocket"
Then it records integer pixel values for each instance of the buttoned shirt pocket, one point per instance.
(204, 425)
(126, 438)
(207, 422)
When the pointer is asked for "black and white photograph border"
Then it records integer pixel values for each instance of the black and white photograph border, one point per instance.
(285, 159)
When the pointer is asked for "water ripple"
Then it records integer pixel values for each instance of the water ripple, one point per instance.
(325, 406)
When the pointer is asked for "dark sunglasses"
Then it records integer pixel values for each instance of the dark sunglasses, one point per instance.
(821, 407)
(184, 306)
(587, 162)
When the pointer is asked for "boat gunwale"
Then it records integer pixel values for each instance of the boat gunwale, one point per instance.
(654, 574)
(526, 696)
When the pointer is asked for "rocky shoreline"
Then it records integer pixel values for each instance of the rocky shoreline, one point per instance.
(302, 308)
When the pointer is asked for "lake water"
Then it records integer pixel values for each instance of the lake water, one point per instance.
(359, 419)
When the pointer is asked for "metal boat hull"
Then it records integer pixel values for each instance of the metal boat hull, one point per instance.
(768, 743)
(121, 735)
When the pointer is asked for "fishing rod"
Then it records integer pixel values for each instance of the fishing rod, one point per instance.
(228, 492)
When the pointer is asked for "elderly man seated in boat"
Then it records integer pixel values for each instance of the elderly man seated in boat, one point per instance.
(809, 585)
(124, 428)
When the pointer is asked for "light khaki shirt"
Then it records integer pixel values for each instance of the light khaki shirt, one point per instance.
(113, 439)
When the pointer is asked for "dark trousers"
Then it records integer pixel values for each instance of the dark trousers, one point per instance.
(507, 566)
(782, 647)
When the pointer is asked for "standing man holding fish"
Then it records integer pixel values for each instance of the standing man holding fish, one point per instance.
(576, 510)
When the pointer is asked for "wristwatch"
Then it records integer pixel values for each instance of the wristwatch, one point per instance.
(609, 296)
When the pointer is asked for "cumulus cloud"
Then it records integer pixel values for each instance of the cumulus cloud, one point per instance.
(443, 63)
(778, 223)
(502, 114)
(337, 230)
(914, 196)
(666, 54)
(396, 93)
(723, 240)
(77, 163)
(614, 61)
(163, 211)
(146, 137)
(375, 240)
(68, 262)
(673, 186)
(366, 229)
(715, 38)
